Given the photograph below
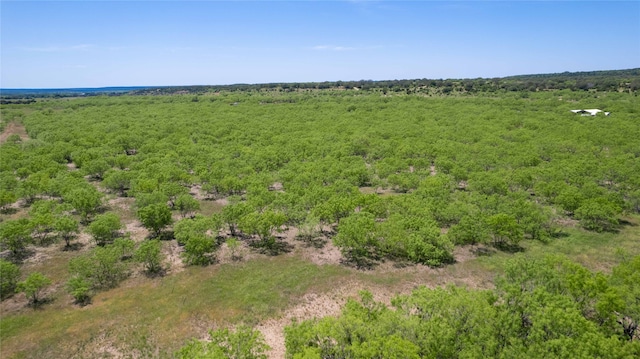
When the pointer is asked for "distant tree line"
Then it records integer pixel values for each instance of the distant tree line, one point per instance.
(612, 80)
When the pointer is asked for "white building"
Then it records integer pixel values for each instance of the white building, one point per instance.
(590, 112)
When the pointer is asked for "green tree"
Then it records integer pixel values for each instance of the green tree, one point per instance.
(197, 226)
(570, 198)
(186, 204)
(80, 289)
(233, 213)
(356, 238)
(263, 224)
(102, 267)
(625, 282)
(15, 235)
(598, 215)
(105, 228)
(504, 230)
(7, 197)
(472, 229)
(150, 255)
(155, 217)
(334, 209)
(428, 247)
(9, 274)
(33, 285)
(96, 168)
(119, 181)
(85, 200)
(42, 219)
(198, 250)
(34, 185)
(147, 199)
(125, 245)
(172, 190)
(67, 227)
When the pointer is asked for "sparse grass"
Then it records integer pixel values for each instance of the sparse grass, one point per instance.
(153, 317)
(208, 208)
(596, 251)
(14, 214)
(123, 207)
(167, 310)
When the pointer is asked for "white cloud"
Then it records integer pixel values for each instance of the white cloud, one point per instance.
(80, 47)
(342, 48)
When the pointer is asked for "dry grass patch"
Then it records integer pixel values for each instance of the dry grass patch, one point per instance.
(153, 317)
(14, 128)
(208, 208)
(165, 311)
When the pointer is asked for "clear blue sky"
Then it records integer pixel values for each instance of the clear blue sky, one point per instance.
(52, 44)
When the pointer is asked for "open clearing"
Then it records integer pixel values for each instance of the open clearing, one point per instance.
(328, 193)
(152, 317)
(14, 129)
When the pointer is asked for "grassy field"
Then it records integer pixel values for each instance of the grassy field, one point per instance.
(152, 317)
(418, 165)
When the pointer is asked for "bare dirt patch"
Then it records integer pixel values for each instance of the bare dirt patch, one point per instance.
(567, 222)
(319, 250)
(137, 232)
(407, 278)
(173, 257)
(222, 201)
(123, 204)
(311, 305)
(14, 129)
(197, 192)
(318, 305)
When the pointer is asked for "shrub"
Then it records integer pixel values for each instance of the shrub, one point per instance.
(105, 228)
(9, 274)
(150, 255)
(33, 286)
(244, 343)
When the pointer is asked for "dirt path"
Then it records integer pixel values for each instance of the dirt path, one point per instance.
(317, 305)
(14, 129)
(312, 305)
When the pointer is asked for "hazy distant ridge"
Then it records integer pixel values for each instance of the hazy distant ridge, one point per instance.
(601, 80)
(78, 90)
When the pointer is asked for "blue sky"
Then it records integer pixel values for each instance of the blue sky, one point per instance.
(52, 44)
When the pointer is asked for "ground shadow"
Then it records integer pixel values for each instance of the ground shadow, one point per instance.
(360, 263)
(625, 223)
(162, 236)
(271, 246)
(402, 263)
(19, 257)
(508, 247)
(39, 303)
(156, 274)
(560, 234)
(73, 247)
(483, 251)
(9, 210)
(315, 242)
(83, 302)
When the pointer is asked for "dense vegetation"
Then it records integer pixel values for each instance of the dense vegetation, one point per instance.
(616, 80)
(551, 308)
(389, 175)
